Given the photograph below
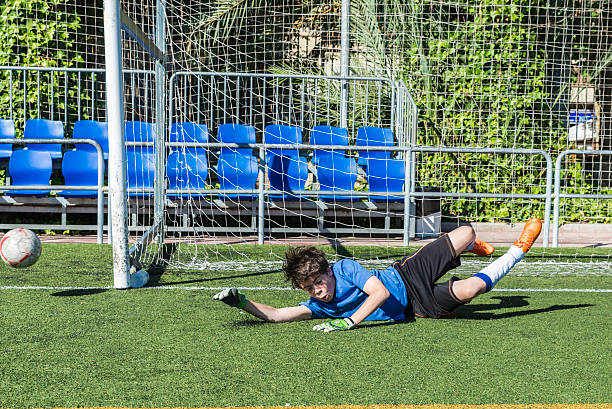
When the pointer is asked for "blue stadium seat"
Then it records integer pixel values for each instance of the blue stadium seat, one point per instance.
(338, 173)
(140, 171)
(80, 168)
(7, 131)
(287, 174)
(188, 132)
(45, 129)
(236, 133)
(384, 176)
(29, 168)
(373, 136)
(138, 131)
(87, 129)
(237, 171)
(187, 169)
(287, 171)
(327, 135)
(282, 134)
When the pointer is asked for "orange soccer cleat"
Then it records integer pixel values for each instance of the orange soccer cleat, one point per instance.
(482, 248)
(531, 231)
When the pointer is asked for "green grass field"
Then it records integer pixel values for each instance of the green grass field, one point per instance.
(84, 344)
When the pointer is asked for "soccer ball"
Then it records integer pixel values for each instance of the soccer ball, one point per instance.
(20, 248)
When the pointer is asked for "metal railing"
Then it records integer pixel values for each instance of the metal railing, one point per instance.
(408, 194)
(558, 195)
(552, 190)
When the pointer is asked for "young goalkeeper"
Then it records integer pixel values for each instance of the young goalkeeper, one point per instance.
(350, 294)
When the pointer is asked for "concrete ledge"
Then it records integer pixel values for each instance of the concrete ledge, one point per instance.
(518, 227)
(570, 235)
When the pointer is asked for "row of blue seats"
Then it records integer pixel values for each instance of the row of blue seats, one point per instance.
(237, 168)
(47, 129)
(287, 169)
(137, 131)
(188, 170)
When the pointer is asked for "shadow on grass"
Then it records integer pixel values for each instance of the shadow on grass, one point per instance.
(366, 324)
(362, 326)
(79, 292)
(339, 248)
(246, 323)
(475, 311)
(155, 283)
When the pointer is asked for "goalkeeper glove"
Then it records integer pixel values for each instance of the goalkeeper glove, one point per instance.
(339, 324)
(232, 297)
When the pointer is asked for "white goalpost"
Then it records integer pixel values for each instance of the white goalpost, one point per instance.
(126, 266)
(117, 173)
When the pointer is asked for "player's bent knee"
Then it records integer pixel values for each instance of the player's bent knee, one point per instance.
(469, 288)
(462, 237)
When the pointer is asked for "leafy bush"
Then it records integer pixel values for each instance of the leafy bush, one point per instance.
(35, 33)
(480, 81)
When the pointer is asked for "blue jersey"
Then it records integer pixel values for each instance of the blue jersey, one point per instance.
(349, 295)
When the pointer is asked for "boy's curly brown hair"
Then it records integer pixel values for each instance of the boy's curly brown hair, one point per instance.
(303, 262)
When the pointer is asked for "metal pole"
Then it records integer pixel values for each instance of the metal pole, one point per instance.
(160, 119)
(260, 204)
(345, 45)
(555, 238)
(116, 149)
(413, 126)
(100, 198)
(548, 200)
(407, 198)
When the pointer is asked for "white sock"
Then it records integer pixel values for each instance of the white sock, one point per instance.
(492, 273)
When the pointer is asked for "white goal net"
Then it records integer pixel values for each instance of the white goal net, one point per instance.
(365, 123)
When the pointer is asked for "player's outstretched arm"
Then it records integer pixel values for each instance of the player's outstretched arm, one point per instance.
(377, 295)
(234, 298)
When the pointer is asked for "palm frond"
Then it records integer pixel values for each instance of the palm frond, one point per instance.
(226, 15)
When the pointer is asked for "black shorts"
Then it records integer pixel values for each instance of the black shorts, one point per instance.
(421, 270)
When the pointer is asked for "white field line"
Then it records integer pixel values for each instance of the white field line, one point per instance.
(531, 290)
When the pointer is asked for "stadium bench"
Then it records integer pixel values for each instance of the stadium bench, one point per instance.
(287, 174)
(236, 133)
(187, 167)
(337, 173)
(287, 170)
(384, 176)
(140, 172)
(138, 131)
(188, 132)
(187, 170)
(237, 171)
(282, 134)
